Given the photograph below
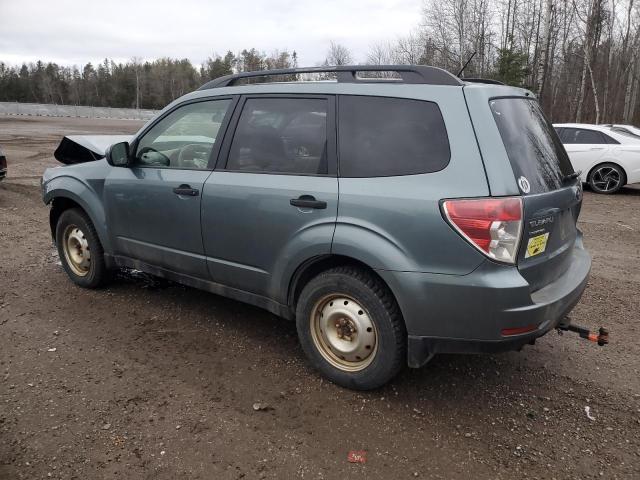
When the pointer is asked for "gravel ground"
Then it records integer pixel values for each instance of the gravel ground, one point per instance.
(147, 379)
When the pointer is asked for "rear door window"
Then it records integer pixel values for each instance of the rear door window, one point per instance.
(380, 137)
(281, 135)
(583, 136)
(532, 144)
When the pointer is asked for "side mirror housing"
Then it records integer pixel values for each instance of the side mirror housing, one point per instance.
(117, 154)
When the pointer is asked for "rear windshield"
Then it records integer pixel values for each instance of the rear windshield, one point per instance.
(533, 147)
(624, 131)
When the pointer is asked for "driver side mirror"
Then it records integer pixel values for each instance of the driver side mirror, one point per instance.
(118, 154)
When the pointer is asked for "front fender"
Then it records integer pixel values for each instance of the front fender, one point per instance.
(73, 189)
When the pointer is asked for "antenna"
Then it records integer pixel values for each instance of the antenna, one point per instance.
(465, 65)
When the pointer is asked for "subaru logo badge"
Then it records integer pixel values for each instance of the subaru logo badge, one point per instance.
(524, 185)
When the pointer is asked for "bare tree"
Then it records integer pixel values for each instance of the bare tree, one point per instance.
(338, 54)
(543, 63)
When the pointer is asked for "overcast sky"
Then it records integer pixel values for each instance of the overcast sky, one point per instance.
(77, 31)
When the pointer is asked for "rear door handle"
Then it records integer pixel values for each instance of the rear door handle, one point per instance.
(186, 190)
(308, 201)
(597, 148)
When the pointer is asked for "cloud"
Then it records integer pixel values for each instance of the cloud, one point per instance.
(77, 31)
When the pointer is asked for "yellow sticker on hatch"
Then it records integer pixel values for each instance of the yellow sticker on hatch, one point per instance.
(536, 245)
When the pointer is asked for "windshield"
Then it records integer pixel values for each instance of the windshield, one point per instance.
(532, 144)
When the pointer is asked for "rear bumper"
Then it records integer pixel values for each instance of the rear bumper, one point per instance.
(467, 314)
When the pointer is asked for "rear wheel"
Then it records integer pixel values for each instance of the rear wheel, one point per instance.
(607, 178)
(80, 249)
(351, 329)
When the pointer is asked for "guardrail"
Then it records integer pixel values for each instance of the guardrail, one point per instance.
(51, 110)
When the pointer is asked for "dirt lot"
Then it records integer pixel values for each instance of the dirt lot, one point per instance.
(151, 380)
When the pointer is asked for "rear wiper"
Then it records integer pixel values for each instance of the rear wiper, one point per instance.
(571, 176)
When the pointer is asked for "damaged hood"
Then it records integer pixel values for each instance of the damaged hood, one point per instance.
(86, 148)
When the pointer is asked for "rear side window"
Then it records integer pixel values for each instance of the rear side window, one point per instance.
(532, 145)
(380, 137)
(281, 135)
(582, 136)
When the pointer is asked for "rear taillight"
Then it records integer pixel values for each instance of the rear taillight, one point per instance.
(492, 225)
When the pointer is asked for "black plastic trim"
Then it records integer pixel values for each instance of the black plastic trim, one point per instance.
(236, 294)
(414, 74)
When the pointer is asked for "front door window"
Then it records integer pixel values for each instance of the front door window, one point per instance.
(184, 139)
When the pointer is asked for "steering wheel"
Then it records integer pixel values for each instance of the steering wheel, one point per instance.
(194, 155)
(151, 156)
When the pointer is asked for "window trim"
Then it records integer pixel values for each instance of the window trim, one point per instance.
(332, 141)
(215, 151)
(393, 98)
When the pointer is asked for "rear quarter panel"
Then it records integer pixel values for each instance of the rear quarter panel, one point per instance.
(628, 156)
(395, 223)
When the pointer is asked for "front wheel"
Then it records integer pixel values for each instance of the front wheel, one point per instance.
(351, 329)
(80, 250)
(607, 178)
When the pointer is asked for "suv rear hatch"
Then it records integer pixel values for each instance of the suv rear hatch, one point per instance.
(551, 194)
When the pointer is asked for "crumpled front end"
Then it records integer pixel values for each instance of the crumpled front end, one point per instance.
(86, 148)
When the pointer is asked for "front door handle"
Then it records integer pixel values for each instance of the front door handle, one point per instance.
(185, 189)
(308, 201)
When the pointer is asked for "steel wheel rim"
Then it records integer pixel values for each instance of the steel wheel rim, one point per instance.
(606, 179)
(343, 332)
(76, 250)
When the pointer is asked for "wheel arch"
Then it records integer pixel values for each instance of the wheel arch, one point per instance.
(78, 196)
(316, 265)
(58, 206)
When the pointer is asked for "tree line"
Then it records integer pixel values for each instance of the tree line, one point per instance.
(579, 56)
(134, 84)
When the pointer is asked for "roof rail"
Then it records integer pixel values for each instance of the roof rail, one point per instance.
(482, 80)
(416, 74)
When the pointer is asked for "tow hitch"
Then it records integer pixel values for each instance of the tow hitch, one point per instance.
(601, 338)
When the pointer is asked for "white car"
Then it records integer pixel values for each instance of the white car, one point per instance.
(607, 157)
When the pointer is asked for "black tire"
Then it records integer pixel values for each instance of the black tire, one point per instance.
(97, 273)
(596, 178)
(389, 355)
